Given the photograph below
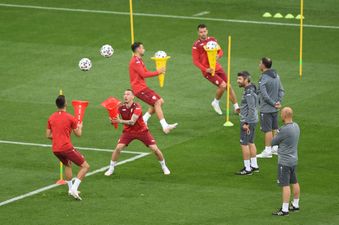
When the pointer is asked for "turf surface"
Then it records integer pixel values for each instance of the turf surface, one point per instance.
(39, 52)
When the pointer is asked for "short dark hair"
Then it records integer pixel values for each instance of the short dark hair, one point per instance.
(128, 89)
(135, 45)
(245, 75)
(60, 101)
(201, 26)
(267, 62)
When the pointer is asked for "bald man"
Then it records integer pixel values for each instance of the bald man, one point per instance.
(287, 139)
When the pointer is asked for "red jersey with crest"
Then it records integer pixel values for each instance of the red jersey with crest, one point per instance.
(199, 55)
(137, 73)
(126, 114)
(61, 124)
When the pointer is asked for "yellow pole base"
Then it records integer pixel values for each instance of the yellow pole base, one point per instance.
(228, 124)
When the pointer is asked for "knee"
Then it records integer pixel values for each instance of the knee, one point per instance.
(159, 102)
(223, 86)
(85, 165)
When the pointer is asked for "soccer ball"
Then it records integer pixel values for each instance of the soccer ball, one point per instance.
(85, 64)
(211, 45)
(106, 51)
(160, 54)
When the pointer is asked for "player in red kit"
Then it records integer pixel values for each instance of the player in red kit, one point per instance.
(138, 72)
(219, 79)
(134, 128)
(59, 128)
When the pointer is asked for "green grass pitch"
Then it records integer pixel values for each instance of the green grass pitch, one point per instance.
(39, 52)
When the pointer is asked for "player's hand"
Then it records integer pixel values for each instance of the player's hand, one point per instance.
(277, 105)
(161, 70)
(79, 125)
(209, 70)
(246, 128)
(115, 120)
(237, 111)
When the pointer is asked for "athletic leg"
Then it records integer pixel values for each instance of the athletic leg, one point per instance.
(160, 157)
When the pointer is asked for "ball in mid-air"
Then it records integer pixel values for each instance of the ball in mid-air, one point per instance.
(85, 64)
(211, 45)
(106, 51)
(160, 54)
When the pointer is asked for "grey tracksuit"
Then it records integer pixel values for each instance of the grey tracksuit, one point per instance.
(270, 91)
(287, 139)
(248, 106)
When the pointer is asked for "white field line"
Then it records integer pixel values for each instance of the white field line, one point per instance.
(168, 16)
(49, 146)
(202, 13)
(141, 155)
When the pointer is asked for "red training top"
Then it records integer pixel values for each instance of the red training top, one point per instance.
(61, 124)
(199, 55)
(138, 72)
(126, 114)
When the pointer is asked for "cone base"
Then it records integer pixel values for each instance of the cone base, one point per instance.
(228, 124)
(61, 182)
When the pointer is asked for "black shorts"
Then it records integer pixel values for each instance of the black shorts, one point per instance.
(268, 121)
(286, 175)
(247, 138)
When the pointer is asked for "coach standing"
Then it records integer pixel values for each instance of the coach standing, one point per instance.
(271, 92)
(287, 139)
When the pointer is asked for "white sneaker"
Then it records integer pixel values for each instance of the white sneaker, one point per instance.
(75, 194)
(275, 150)
(170, 127)
(70, 194)
(166, 170)
(216, 108)
(265, 154)
(109, 172)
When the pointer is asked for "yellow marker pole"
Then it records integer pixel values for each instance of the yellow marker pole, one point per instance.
(301, 39)
(228, 123)
(61, 180)
(131, 20)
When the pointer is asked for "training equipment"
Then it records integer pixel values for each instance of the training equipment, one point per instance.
(212, 48)
(79, 109)
(106, 51)
(301, 17)
(112, 104)
(267, 15)
(228, 123)
(278, 15)
(160, 58)
(131, 20)
(289, 16)
(85, 64)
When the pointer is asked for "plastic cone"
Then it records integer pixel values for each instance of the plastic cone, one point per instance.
(79, 109)
(298, 17)
(112, 104)
(212, 58)
(267, 15)
(278, 15)
(289, 16)
(61, 182)
(160, 63)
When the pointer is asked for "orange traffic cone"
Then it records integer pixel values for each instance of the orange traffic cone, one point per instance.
(79, 109)
(112, 104)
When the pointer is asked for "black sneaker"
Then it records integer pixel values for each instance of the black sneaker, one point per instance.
(280, 213)
(244, 172)
(255, 169)
(291, 208)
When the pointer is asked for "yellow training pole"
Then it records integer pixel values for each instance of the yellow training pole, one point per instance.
(228, 123)
(301, 38)
(131, 20)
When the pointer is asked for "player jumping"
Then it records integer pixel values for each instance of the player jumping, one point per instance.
(219, 79)
(134, 128)
(59, 128)
(138, 72)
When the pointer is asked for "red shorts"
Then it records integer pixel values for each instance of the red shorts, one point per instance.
(146, 137)
(66, 157)
(149, 96)
(218, 77)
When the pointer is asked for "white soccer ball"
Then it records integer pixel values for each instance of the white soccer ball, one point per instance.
(160, 54)
(106, 51)
(211, 45)
(85, 64)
